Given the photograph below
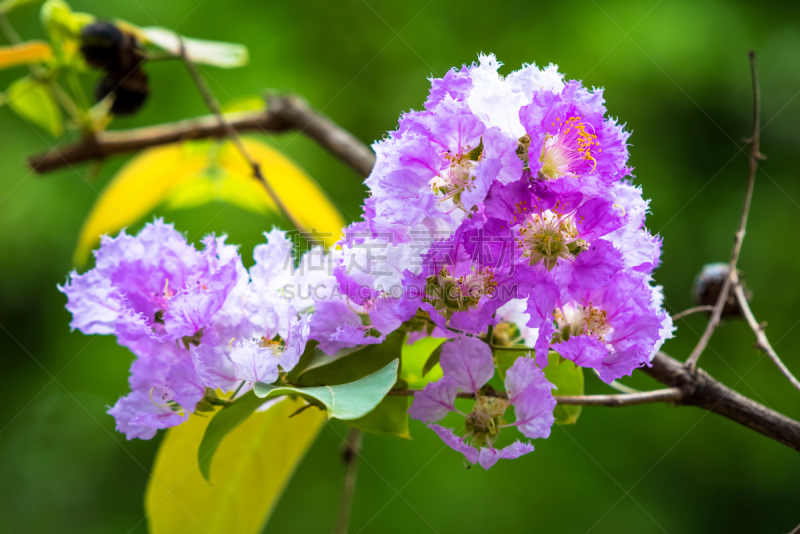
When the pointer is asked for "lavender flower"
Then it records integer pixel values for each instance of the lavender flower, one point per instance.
(467, 364)
(194, 319)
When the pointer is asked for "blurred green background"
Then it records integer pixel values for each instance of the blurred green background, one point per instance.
(675, 71)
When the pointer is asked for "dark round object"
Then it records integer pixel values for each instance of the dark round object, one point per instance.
(130, 91)
(708, 285)
(101, 43)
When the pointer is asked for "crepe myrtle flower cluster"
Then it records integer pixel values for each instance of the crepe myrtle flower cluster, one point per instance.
(502, 214)
(196, 320)
(506, 206)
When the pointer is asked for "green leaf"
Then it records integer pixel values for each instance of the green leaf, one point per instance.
(319, 358)
(223, 422)
(251, 469)
(302, 363)
(63, 24)
(343, 401)
(388, 417)
(415, 357)
(356, 365)
(433, 360)
(568, 378)
(35, 103)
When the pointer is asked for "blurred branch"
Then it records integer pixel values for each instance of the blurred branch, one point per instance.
(350, 454)
(283, 113)
(732, 277)
(701, 390)
(761, 338)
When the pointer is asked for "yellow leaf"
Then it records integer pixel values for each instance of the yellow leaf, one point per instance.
(251, 468)
(137, 189)
(193, 174)
(24, 53)
(301, 195)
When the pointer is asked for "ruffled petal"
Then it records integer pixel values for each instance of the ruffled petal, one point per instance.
(456, 443)
(435, 401)
(489, 456)
(468, 362)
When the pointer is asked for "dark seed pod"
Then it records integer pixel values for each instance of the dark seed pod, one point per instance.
(101, 43)
(708, 285)
(130, 91)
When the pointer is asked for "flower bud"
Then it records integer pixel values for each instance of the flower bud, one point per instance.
(708, 285)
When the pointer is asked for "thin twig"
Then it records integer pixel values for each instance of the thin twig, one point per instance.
(732, 278)
(233, 136)
(350, 454)
(761, 338)
(696, 309)
(624, 399)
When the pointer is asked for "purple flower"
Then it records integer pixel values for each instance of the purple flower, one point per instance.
(194, 319)
(336, 325)
(261, 360)
(613, 330)
(553, 225)
(569, 136)
(468, 365)
(434, 169)
(151, 288)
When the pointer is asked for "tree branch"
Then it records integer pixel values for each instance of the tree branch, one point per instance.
(761, 338)
(686, 387)
(701, 390)
(732, 277)
(625, 399)
(284, 113)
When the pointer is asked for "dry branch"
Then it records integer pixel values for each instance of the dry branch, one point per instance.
(701, 390)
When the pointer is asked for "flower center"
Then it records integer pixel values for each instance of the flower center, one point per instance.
(575, 320)
(276, 345)
(570, 151)
(450, 294)
(484, 421)
(505, 334)
(458, 177)
(548, 236)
